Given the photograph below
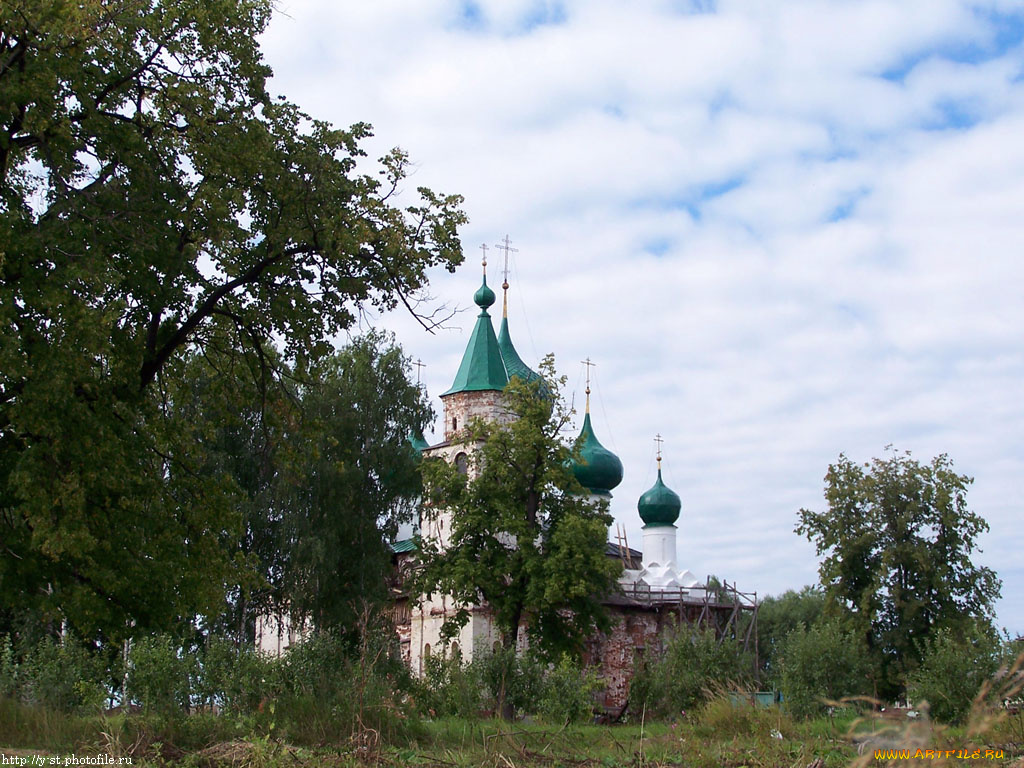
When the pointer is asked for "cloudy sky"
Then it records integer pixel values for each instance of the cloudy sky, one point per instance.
(783, 229)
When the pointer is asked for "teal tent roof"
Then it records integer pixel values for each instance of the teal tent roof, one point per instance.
(482, 366)
(514, 364)
(417, 441)
(598, 470)
(660, 505)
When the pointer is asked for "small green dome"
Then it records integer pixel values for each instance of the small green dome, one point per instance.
(484, 296)
(598, 470)
(660, 505)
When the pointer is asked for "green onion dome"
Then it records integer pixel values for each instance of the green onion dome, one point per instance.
(598, 470)
(484, 296)
(660, 505)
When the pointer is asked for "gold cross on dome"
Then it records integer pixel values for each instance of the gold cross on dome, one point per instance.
(589, 366)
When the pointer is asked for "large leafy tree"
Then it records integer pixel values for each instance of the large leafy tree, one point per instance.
(323, 473)
(156, 202)
(897, 540)
(525, 539)
(353, 477)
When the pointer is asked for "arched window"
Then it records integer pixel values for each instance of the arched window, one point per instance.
(426, 651)
(456, 651)
(455, 424)
(462, 464)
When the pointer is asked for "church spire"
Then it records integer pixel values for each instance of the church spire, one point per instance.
(482, 366)
(514, 364)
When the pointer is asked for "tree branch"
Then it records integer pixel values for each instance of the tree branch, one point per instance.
(155, 362)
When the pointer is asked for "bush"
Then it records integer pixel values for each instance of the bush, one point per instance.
(451, 688)
(236, 679)
(567, 693)
(65, 676)
(160, 675)
(330, 691)
(822, 663)
(953, 670)
(692, 667)
(521, 676)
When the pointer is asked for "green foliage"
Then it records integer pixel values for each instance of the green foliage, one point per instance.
(511, 680)
(450, 687)
(693, 666)
(777, 617)
(558, 693)
(897, 542)
(9, 668)
(821, 663)
(521, 489)
(63, 676)
(160, 675)
(324, 689)
(332, 689)
(235, 678)
(954, 667)
(155, 203)
(353, 477)
(567, 693)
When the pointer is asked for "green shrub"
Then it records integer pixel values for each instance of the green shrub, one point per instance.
(954, 668)
(331, 691)
(521, 676)
(693, 666)
(567, 693)
(65, 676)
(822, 663)
(451, 687)
(9, 668)
(237, 679)
(160, 675)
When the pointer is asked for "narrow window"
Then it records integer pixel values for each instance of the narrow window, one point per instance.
(462, 464)
(455, 424)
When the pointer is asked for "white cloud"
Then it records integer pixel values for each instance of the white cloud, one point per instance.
(783, 230)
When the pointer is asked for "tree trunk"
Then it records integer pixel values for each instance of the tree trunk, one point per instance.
(510, 641)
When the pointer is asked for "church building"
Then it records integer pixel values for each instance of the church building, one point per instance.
(654, 594)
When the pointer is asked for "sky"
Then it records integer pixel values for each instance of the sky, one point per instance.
(784, 230)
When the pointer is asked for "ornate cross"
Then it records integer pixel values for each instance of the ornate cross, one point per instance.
(589, 366)
(659, 440)
(506, 246)
(420, 365)
(483, 247)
